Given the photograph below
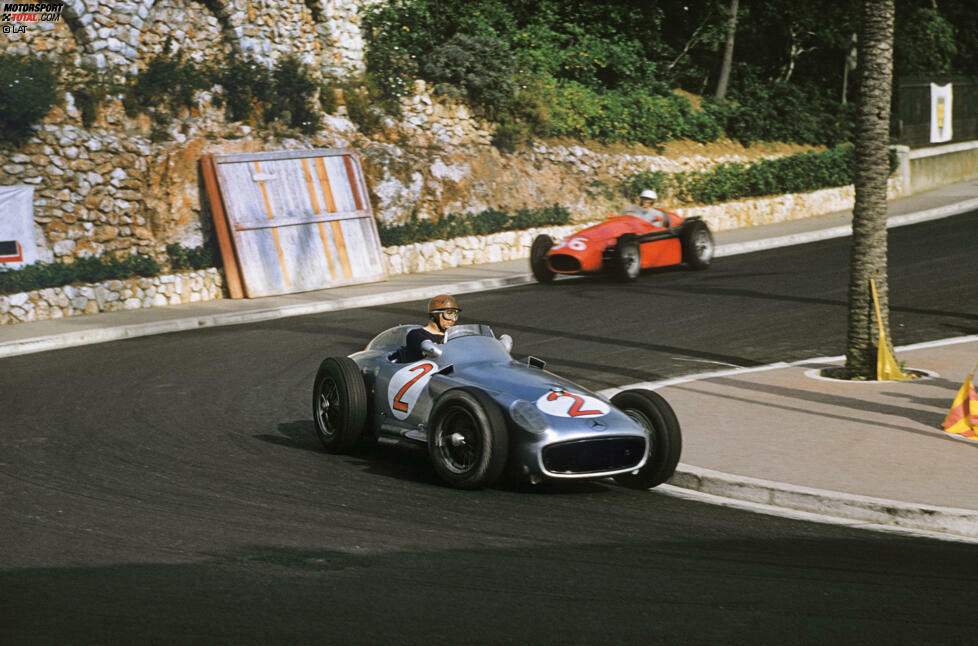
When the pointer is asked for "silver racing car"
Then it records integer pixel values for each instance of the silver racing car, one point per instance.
(481, 413)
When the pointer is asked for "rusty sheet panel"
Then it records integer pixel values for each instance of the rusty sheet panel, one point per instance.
(300, 220)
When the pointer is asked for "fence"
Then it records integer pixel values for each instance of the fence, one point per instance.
(912, 116)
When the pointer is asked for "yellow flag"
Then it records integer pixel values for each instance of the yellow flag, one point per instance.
(887, 368)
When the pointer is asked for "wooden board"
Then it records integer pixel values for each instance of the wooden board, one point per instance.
(299, 220)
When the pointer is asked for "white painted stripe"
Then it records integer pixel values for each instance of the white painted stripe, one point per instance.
(794, 514)
(737, 248)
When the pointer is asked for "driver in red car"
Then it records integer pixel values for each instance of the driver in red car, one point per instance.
(646, 209)
(443, 313)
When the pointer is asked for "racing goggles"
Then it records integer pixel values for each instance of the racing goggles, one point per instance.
(449, 313)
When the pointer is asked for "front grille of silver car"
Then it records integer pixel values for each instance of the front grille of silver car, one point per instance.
(595, 455)
(563, 262)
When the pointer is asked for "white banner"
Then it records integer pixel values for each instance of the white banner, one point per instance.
(940, 113)
(17, 247)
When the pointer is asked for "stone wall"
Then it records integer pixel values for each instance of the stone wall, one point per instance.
(111, 296)
(118, 35)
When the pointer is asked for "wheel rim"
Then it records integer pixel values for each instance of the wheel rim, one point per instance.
(645, 423)
(458, 440)
(630, 260)
(703, 245)
(329, 408)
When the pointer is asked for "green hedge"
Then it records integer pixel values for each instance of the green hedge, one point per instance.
(41, 275)
(799, 173)
(201, 257)
(455, 225)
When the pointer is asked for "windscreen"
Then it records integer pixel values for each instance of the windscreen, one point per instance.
(469, 329)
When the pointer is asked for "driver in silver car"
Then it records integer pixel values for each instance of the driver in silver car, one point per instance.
(443, 313)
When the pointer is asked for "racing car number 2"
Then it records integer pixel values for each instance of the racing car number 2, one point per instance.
(561, 403)
(406, 386)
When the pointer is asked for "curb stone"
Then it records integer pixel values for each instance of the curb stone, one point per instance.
(943, 520)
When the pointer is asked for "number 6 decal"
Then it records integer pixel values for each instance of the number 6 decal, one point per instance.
(561, 403)
(405, 387)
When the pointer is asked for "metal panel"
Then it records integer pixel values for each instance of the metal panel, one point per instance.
(300, 220)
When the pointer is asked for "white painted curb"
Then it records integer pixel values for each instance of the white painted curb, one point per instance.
(878, 511)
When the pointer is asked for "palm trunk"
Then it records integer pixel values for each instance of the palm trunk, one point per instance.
(869, 251)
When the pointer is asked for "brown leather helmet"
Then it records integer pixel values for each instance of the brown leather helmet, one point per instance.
(441, 303)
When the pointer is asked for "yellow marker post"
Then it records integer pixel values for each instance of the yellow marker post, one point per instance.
(887, 368)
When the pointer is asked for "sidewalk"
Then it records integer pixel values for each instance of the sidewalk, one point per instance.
(871, 453)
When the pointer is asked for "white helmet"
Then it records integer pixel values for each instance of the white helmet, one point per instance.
(648, 194)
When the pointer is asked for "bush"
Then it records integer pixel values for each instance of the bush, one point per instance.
(582, 113)
(755, 112)
(90, 87)
(42, 275)
(481, 67)
(799, 173)
(291, 99)
(28, 89)
(202, 257)
(455, 225)
(362, 108)
(167, 83)
(246, 84)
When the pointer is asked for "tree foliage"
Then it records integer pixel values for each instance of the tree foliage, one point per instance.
(607, 70)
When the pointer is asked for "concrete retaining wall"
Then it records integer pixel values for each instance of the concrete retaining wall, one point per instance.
(938, 166)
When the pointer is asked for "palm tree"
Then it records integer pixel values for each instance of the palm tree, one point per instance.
(868, 255)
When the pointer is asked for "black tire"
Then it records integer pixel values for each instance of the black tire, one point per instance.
(339, 404)
(665, 439)
(538, 258)
(626, 261)
(467, 439)
(697, 243)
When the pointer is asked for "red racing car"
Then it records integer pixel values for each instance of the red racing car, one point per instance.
(624, 245)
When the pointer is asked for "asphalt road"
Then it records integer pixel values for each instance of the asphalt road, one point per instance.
(171, 488)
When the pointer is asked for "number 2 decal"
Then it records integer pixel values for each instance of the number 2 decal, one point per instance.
(555, 403)
(422, 369)
(406, 386)
(575, 409)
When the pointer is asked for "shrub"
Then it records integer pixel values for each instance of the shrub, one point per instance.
(202, 257)
(481, 67)
(41, 275)
(362, 108)
(291, 99)
(507, 136)
(454, 225)
(90, 87)
(799, 173)
(168, 82)
(28, 89)
(755, 112)
(583, 113)
(246, 85)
